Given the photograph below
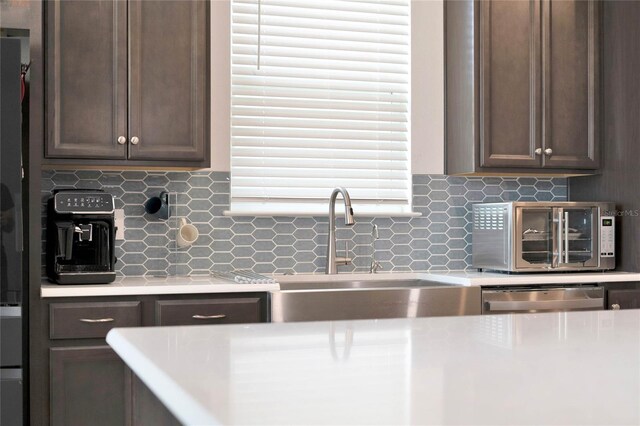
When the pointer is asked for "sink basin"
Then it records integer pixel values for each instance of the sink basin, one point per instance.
(371, 299)
(358, 284)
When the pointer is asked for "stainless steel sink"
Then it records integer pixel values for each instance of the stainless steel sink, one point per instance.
(362, 299)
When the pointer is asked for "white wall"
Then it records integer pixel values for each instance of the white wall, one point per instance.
(427, 87)
(427, 80)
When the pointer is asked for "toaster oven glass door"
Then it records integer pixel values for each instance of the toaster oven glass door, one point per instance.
(535, 243)
(578, 237)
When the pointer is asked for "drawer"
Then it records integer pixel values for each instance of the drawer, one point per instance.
(208, 311)
(624, 299)
(91, 320)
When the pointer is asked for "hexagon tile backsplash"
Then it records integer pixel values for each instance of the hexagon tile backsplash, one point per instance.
(439, 240)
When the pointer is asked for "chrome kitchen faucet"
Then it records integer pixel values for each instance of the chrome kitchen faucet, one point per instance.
(332, 260)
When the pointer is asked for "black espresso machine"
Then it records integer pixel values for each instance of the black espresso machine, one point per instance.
(81, 237)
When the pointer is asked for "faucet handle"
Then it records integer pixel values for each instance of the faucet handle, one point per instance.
(375, 266)
(346, 260)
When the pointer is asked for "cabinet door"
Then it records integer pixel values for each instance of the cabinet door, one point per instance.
(86, 79)
(570, 55)
(147, 408)
(89, 386)
(623, 298)
(509, 83)
(168, 80)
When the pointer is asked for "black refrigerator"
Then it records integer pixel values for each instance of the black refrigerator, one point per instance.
(13, 272)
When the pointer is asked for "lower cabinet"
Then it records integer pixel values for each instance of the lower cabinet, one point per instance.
(623, 299)
(147, 408)
(88, 382)
(90, 385)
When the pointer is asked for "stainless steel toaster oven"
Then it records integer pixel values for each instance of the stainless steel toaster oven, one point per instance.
(543, 236)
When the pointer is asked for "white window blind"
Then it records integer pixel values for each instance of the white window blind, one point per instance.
(320, 99)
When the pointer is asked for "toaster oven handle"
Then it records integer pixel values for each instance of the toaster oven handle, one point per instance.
(557, 260)
(566, 237)
(535, 305)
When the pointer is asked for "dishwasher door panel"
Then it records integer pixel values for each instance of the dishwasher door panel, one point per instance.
(542, 299)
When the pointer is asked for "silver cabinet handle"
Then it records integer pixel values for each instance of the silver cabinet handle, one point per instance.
(122, 140)
(97, 320)
(530, 305)
(548, 151)
(538, 151)
(615, 307)
(135, 140)
(204, 317)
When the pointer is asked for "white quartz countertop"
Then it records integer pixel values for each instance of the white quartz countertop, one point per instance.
(554, 368)
(127, 286)
(124, 286)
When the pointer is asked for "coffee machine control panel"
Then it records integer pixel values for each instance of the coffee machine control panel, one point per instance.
(74, 202)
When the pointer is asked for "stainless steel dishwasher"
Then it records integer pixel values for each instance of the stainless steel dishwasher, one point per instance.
(549, 298)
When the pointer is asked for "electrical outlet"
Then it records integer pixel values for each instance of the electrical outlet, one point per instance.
(119, 219)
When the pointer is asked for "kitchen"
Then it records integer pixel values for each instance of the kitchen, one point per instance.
(128, 117)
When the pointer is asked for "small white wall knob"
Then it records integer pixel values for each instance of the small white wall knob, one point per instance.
(548, 151)
(538, 151)
(615, 307)
(122, 140)
(135, 140)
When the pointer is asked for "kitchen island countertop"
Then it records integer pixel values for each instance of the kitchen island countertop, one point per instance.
(554, 368)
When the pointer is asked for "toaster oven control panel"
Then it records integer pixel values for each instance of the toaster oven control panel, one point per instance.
(607, 236)
(83, 203)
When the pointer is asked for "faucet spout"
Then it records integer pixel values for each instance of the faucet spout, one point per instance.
(332, 260)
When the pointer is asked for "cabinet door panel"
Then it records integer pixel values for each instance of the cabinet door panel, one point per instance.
(570, 57)
(86, 79)
(510, 83)
(89, 386)
(168, 74)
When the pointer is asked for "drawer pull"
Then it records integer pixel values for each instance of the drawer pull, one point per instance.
(98, 320)
(204, 317)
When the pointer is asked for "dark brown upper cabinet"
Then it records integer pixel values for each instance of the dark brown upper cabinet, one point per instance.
(128, 83)
(522, 87)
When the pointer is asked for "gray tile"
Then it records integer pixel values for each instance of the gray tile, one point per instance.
(264, 234)
(156, 252)
(133, 259)
(284, 251)
(133, 270)
(242, 251)
(264, 257)
(132, 186)
(264, 245)
(243, 240)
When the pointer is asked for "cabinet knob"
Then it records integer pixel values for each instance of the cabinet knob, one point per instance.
(548, 151)
(538, 151)
(615, 307)
(122, 140)
(135, 140)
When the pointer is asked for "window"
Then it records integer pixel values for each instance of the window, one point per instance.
(320, 98)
